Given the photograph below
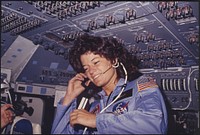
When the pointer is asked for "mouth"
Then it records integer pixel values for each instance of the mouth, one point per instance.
(96, 76)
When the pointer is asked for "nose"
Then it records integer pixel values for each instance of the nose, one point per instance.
(91, 70)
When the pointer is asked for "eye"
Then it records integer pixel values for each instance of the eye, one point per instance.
(96, 62)
(85, 69)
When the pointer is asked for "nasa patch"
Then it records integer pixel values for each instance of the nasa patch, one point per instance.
(120, 108)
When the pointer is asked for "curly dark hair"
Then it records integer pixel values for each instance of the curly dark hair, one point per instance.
(108, 47)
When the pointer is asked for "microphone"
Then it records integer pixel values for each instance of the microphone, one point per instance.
(106, 70)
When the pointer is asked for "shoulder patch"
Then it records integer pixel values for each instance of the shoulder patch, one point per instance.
(145, 83)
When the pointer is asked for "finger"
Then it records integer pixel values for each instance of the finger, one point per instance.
(6, 106)
(78, 77)
(72, 114)
(78, 111)
(83, 75)
(8, 112)
(88, 82)
(9, 118)
(73, 119)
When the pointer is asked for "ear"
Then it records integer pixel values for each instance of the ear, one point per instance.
(116, 63)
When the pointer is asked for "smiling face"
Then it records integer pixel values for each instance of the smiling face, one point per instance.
(99, 70)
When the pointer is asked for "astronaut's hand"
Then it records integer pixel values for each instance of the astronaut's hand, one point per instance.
(74, 88)
(6, 115)
(83, 117)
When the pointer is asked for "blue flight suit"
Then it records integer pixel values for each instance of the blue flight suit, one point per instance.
(139, 110)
